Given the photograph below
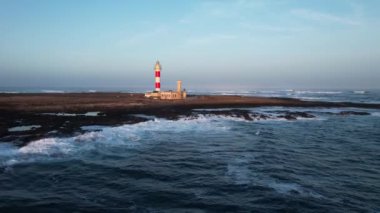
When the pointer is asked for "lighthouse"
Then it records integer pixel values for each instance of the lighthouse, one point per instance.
(157, 71)
(165, 95)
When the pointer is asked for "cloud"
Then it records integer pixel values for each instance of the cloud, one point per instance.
(324, 17)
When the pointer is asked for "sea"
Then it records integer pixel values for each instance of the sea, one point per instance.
(329, 163)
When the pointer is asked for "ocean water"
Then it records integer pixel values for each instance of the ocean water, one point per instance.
(330, 163)
(361, 96)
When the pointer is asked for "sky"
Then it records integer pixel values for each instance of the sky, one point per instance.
(205, 43)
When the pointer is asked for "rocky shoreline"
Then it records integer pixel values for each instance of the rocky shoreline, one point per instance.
(29, 117)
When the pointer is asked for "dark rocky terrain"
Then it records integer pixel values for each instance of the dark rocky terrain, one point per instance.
(63, 115)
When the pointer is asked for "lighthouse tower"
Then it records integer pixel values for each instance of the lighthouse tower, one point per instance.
(157, 70)
(165, 95)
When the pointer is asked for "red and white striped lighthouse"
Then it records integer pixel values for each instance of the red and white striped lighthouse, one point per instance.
(157, 70)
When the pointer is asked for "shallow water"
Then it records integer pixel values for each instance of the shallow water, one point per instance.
(220, 164)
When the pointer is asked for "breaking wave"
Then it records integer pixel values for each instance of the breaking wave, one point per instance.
(210, 163)
(52, 91)
(310, 98)
(10, 92)
(125, 137)
(317, 92)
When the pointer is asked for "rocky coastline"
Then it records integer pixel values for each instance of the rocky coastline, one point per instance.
(29, 117)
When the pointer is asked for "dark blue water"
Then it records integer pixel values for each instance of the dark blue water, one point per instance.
(330, 163)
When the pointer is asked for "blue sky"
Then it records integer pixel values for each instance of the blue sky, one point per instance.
(223, 44)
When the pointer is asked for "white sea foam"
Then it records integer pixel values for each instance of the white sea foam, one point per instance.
(128, 137)
(268, 91)
(149, 117)
(377, 114)
(317, 118)
(234, 93)
(224, 93)
(317, 92)
(92, 137)
(218, 109)
(9, 92)
(52, 91)
(306, 109)
(288, 90)
(92, 114)
(268, 111)
(359, 92)
(293, 188)
(275, 119)
(48, 146)
(285, 187)
(310, 98)
(211, 117)
(23, 128)
(63, 114)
